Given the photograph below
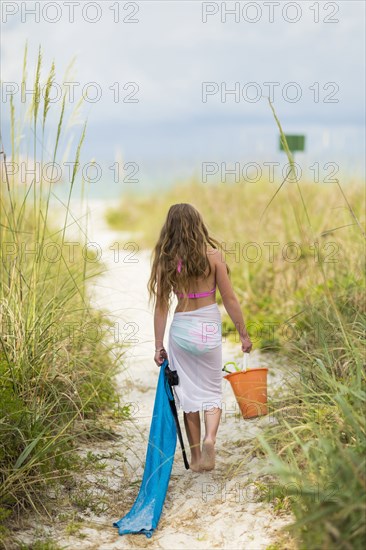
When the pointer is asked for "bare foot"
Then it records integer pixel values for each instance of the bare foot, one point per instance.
(195, 467)
(208, 455)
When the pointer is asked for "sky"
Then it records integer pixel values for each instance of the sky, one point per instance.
(179, 89)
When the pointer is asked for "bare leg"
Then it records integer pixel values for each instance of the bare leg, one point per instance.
(193, 428)
(212, 421)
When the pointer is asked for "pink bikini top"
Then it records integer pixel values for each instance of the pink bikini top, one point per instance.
(194, 294)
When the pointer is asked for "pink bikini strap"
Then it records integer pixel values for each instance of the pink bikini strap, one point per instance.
(198, 294)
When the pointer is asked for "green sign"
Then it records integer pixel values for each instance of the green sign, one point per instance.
(295, 143)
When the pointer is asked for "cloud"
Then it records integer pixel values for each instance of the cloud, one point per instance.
(170, 52)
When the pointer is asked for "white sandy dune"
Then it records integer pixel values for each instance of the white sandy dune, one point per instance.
(218, 509)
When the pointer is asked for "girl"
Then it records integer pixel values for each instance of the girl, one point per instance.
(189, 262)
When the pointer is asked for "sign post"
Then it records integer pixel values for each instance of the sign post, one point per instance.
(295, 142)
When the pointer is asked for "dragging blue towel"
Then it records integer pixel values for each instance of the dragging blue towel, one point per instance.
(146, 511)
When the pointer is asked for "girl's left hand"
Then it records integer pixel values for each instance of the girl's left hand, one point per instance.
(160, 356)
(246, 345)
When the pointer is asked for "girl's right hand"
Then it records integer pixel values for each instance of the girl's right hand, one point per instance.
(246, 344)
(159, 357)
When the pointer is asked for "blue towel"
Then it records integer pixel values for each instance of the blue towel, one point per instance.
(146, 510)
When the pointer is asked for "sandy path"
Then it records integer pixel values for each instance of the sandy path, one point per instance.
(209, 510)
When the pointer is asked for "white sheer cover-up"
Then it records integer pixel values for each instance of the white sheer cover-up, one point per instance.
(195, 352)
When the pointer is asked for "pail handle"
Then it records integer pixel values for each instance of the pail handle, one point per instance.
(245, 361)
(244, 366)
(230, 363)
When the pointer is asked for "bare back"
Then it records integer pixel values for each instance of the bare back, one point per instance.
(202, 285)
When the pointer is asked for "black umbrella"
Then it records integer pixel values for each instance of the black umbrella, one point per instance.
(173, 380)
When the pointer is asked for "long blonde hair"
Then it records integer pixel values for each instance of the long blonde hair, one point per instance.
(184, 237)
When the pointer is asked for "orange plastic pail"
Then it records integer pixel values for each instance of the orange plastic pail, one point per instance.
(250, 390)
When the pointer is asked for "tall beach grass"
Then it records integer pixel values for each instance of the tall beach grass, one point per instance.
(57, 357)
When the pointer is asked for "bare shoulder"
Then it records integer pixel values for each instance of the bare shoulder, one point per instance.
(213, 255)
